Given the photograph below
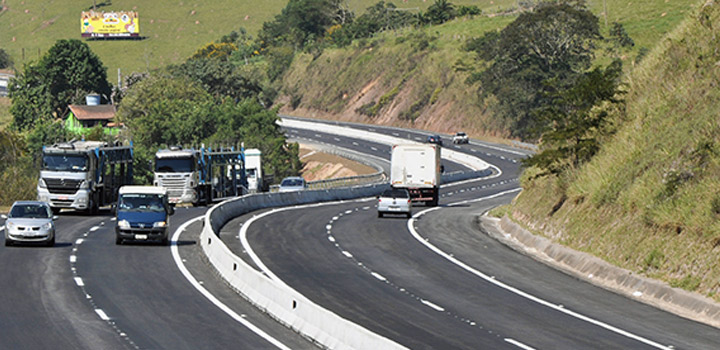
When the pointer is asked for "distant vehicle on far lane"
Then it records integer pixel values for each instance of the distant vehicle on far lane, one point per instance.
(436, 139)
(30, 222)
(461, 137)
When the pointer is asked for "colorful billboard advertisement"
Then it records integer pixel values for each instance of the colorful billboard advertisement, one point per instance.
(109, 24)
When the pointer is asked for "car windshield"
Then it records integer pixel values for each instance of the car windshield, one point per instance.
(291, 183)
(141, 202)
(64, 162)
(395, 193)
(30, 211)
(174, 165)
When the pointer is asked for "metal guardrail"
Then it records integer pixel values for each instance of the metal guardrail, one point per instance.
(358, 180)
(347, 181)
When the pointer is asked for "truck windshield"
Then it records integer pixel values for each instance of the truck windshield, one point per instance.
(65, 162)
(141, 202)
(174, 165)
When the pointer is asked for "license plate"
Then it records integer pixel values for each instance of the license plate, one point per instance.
(394, 208)
(140, 237)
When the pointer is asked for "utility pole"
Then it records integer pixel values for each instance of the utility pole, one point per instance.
(605, 11)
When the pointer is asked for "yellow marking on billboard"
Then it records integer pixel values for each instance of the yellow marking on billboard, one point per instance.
(109, 24)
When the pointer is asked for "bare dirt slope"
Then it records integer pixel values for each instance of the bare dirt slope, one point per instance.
(320, 166)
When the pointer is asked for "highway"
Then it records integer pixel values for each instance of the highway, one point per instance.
(88, 293)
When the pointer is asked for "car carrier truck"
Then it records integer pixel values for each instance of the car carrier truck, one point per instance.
(200, 175)
(417, 168)
(83, 175)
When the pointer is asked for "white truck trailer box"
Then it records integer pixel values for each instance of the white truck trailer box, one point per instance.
(416, 167)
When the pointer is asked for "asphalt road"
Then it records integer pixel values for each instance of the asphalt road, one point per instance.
(88, 293)
(480, 295)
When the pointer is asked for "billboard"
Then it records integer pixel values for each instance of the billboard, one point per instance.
(109, 24)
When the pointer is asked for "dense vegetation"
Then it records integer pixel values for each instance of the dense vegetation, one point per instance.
(648, 201)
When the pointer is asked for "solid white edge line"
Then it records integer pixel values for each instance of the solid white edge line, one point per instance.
(519, 292)
(518, 344)
(209, 296)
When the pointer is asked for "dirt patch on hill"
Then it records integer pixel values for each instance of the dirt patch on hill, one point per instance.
(320, 166)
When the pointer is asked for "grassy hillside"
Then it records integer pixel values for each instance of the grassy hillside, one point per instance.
(650, 201)
(415, 78)
(172, 30)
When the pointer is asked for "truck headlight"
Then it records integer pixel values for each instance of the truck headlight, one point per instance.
(123, 224)
(41, 183)
(159, 224)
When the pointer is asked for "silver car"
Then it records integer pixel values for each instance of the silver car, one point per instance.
(292, 184)
(30, 222)
(394, 201)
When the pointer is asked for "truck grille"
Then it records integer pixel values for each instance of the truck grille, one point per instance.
(174, 186)
(62, 186)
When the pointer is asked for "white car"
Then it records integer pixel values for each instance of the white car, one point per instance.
(461, 137)
(394, 201)
(30, 222)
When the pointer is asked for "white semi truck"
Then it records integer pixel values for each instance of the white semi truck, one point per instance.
(83, 175)
(200, 176)
(253, 170)
(417, 168)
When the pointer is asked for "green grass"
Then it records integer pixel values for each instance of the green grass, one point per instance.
(649, 201)
(5, 116)
(173, 30)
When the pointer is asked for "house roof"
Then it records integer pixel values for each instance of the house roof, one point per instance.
(98, 112)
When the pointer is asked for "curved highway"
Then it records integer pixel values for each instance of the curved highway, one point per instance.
(88, 293)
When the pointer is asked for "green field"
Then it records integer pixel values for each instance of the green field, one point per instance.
(171, 30)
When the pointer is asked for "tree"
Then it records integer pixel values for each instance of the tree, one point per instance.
(300, 23)
(439, 12)
(72, 71)
(31, 98)
(555, 41)
(68, 72)
(165, 109)
(220, 77)
(5, 60)
(574, 121)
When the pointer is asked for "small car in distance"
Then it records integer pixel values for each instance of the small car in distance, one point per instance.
(461, 137)
(436, 139)
(30, 222)
(292, 184)
(394, 201)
